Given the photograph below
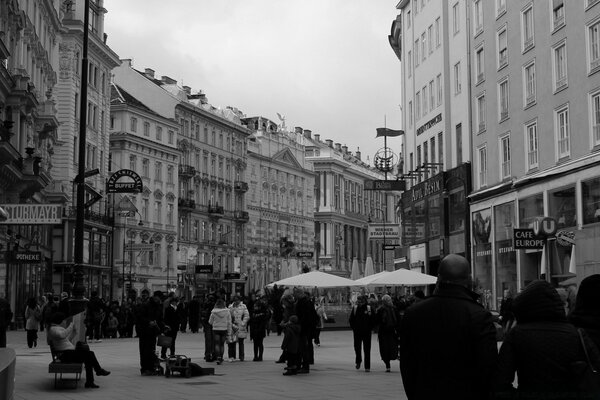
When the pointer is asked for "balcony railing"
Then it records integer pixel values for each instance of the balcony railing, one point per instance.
(216, 210)
(186, 203)
(240, 186)
(241, 216)
(187, 170)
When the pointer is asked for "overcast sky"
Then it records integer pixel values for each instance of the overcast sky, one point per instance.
(325, 65)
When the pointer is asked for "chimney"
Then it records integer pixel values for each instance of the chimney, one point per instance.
(338, 147)
(329, 143)
(317, 137)
(149, 72)
(187, 90)
(127, 61)
(357, 154)
(345, 149)
(298, 129)
(167, 80)
(307, 133)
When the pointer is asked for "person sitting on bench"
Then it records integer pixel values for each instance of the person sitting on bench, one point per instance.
(58, 338)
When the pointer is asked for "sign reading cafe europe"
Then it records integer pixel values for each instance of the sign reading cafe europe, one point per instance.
(33, 214)
(124, 181)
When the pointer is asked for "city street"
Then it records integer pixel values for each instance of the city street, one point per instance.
(332, 377)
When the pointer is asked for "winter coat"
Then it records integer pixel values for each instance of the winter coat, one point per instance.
(33, 317)
(586, 313)
(362, 318)
(291, 338)
(542, 348)
(59, 337)
(220, 319)
(448, 346)
(387, 321)
(239, 319)
(259, 320)
(171, 319)
(149, 319)
(307, 316)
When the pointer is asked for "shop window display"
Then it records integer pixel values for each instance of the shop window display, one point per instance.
(561, 207)
(506, 260)
(482, 248)
(456, 211)
(420, 219)
(434, 216)
(529, 209)
(590, 191)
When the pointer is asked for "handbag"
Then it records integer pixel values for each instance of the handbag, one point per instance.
(164, 341)
(588, 378)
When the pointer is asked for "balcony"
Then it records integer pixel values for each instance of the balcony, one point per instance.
(216, 211)
(241, 216)
(186, 171)
(185, 203)
(240, 186)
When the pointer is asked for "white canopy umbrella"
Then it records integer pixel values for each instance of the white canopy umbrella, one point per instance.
(314, 279)
(404, 277)
(368, 280)
(355, 273)
(369, 270)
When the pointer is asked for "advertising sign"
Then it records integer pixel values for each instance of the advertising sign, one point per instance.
(526, 239)
(27, 257)
(384, 231)
(32, 214)
(203, 269)
(124, 181)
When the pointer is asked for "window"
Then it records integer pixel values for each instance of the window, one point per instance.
(591, 200)
(408, 19)
(560, 66)
(410, 114)
(459, 145)
(529, 83)
(145, 168)
(562, 132)
(500, 7)
(594, 40)
(171, 137)
(479, 65)
(504, 157)
(440, 89)
(502, 48)
(482, 166)
(133, 127)
(424, 98)
(170, 174)
(457, 85)
(558, 13)
(423, 46)
(132, 163)
(478, 16)
(430, 38)
(595, 115)
(531, 145)
(527, 28)
(419, 161)
(455, 18)
(158, 133)
(158, 172)
(146, 129)
(416, 49)
(438, 39)
(417, 106)
(441, 149)
(409, 63)
(170, 214)
(503, 99)
(432, 150)
(481, 113)
(431, 96)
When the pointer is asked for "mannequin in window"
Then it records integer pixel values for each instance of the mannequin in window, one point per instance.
(561, 221)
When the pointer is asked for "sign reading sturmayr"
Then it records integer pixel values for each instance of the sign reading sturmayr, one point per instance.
(133, 185)
(34, 214)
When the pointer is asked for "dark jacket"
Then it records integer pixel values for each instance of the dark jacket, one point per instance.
(6, 313)
(171, 319)
(149, 319)
(307, 316)
(447, 346)
(362, 318)
(291, 338)
(586, 313)
(259, 319)
(543, 348)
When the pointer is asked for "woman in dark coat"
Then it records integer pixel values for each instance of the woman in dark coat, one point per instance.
(258, 327)
(586, 314)
(387, 321)
(543, 349)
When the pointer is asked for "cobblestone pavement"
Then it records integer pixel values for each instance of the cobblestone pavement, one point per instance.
(332, 377)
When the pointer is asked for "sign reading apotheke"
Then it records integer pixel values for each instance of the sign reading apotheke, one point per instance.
(33, 214)
(384, 231)
(132, 184)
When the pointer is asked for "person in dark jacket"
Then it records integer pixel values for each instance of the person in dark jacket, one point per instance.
(182, 311)
(291, 344)
(361, 322)
(209, 339)
(95, 315)
(544, 349)
(387, 320)
(448, 344)
(194, 314)
(586, 313)
(148, 325)
(171, 321)
(308, 319)
(6, 316)
(260, 317)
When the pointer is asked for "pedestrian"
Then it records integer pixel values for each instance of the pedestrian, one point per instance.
(320, 309)
(95, 316)
(448, 343)
(43, 303)
(112, 325)
(58, 338)
(259, 320)
(171, 321)
(586, 311)
(543, 349)
(6, 315)
(209, 341)
(239, 320)
(291, 344)
(148, 325)
(220, 320)
(194, 314)
(33, 315)
(308, 319)
(387, 320)
(287, 304)
(361, 320)
(182, 312)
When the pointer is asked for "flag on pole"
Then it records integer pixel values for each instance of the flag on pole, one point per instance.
(572, 263)
(389, 132)
(543, 261)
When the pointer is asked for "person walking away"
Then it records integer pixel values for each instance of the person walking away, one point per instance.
(387, 320)
(259, 320)
(361, 322)
(209, 339)
(291, 344)
(58, 338)
(43, 303)
(194, 314)
(448, 346)
(287, 302)
(182, 312)
(33, 315)
(544, 350)
(148, 325)
(320, 309)
(171, 320)
(95, 316)
(239, 320)
(220, 320)
(308, 319)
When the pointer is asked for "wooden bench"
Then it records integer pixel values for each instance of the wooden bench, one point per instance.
(58, 368)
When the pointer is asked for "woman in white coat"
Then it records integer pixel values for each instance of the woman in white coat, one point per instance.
(239, 321)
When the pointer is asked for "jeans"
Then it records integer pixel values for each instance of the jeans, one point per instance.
(147, 352)
(231, 349)
(362, 340)
(219, 341)
(259, 348)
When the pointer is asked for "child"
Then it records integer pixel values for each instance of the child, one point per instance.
(291, 344)
(112, 325)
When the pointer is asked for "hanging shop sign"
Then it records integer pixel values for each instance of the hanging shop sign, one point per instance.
(203, 269)
(124, 181)
(27, 257)
(32, 214)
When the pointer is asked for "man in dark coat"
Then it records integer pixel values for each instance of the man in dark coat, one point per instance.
(171, 320)
(95, 315)
(448, 341)
(148, 324)
(308, 318)
(194, 314)
(6, 315)
(361, 322)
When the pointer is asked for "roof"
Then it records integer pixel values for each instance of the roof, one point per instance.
(118, 95)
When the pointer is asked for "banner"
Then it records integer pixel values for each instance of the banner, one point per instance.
(389, 132)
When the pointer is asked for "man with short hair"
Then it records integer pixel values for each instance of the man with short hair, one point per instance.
(448, 340)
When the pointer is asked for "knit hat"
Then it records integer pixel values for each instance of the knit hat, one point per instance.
(539, 301)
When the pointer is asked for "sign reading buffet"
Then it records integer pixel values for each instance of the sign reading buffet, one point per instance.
(34, 214)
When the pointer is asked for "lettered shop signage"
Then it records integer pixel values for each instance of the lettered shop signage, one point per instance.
(33, 214)
(124, 181)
